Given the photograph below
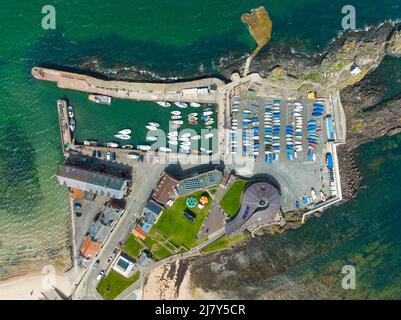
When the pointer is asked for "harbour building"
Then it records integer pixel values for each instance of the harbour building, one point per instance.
(260, 204)
(92, 181)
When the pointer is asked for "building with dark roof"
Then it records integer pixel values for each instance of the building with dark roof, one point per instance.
(260, 204)
(165, 189)
(92, 181)
(124, 265)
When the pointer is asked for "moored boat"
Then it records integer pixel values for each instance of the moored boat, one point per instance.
(98, 98)
(111, 144)
(181, 104)
(143, 147)
(125, 131)
(154, 124)
(123, 136)
(175, 113)
(164, 104)
(195, 104)
(72, 125)
(152, 128)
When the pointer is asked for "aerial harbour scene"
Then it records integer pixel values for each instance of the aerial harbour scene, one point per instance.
(138, 167)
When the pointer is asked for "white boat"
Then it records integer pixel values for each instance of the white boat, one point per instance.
(98, 98)
(165, 149)
(176, 117)
(202, 149)
(209, 123)
(181, 104)
(143, 147)
(193, 114)
(154, 124)
(207, 113)
(322, 196)
(70, 112)
(186, 135)
(208, 135)
(151, 128)
(173, 142)
(123, 136)
(151, 138)
(186, 143)
(313, 194)
(125, 131)
(197, 137)
(195, 104)
(132, 155)
(164, 104)
(178, 122)
(111, 144)
(172, 133)
(128, 146)
(175, 113)
(184, 139)
(72, 125)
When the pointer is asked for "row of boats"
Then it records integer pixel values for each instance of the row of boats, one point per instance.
(308, 200)
(71, 115)
(183, 105)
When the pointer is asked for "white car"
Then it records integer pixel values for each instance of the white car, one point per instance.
(100, 275)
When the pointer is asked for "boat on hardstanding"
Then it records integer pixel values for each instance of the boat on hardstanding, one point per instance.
(181, 104)
(313, 194)
(72, 125)
(128, 146)
(123, 136)
(125, 131)
(143, 147)
(195, 104)
(164, 104)
(165, 149)
(322, 195)
(98, 98)
(133, 155)
(111, 144)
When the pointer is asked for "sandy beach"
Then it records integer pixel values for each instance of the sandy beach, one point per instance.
(173, 282)
(32, 286)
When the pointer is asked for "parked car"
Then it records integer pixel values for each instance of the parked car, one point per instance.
(96, 264)
(100, 275)
(110, 259)
(113, 156)
(77, 205)
(78, 214)
(115, 251)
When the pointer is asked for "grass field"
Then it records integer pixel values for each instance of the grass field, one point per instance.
(178, 229)
(111, 286)
(231, 201)
(133, 246)
(224, 242)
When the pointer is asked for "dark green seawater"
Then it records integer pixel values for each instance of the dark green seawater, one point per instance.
(170, 38)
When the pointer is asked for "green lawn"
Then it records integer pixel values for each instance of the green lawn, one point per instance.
(160, 252)
(178, 229)
(223, 243)
(111, 286)
(133, 246)
(231, 201)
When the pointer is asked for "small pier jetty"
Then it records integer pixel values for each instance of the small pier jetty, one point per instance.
(67, 137)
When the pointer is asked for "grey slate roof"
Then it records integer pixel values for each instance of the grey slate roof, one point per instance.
(202, 181)
(92, 181)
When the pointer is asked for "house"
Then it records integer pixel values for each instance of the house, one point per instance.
(92, 181)
(355, 70)
(124, 265)
(165, 189)
(150, 215)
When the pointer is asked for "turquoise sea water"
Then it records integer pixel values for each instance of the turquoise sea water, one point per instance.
(171, 38)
